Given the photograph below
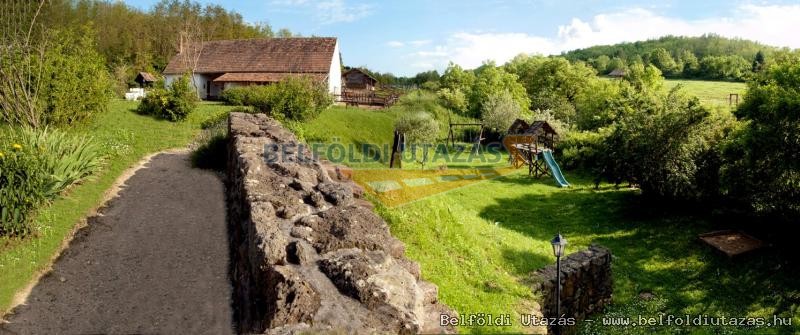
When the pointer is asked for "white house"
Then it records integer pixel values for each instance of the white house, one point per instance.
(219, 65)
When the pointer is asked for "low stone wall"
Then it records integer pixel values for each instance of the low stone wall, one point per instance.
(586, 285)
(307, 253)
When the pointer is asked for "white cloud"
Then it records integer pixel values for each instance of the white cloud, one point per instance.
(774, 25)
(330, 11)
(395, 44)
(335, 11)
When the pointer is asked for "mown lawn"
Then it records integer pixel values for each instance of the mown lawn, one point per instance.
(353, 127)
(480, 243)
(711, 93)
(126, 137)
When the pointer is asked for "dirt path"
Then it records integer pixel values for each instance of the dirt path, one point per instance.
(154, 261)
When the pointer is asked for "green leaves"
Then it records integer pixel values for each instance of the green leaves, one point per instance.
(173, 104)
(46, 163)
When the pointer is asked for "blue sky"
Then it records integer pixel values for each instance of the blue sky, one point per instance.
(406, 37)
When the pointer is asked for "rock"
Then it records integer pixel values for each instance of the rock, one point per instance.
(300, 252)
(349, 227)
(302, 232)
(379, 282)
(336, 193)
(294, 300)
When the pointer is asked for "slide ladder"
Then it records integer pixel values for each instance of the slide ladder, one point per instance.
(554, 169)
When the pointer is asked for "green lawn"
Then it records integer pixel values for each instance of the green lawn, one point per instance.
(711, 93)
(353, 127)
(126, 138)
(481, 242)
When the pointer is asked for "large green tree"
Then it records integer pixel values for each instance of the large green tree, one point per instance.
(765, 157)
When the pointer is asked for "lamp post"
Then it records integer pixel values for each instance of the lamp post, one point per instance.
(559, 243)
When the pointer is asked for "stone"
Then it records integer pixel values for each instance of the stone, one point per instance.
(295, 301)
(300, 252)
(308, 253)
(337, 193)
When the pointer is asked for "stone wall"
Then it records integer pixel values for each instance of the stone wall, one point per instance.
(586, 285)
(308, 254)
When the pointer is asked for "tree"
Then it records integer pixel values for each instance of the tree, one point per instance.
(661, 58)
(691, 65)
(758, 61)
(420, 130)
(491, 81)
(500, 111)
(764, 169)
(552, 82)
(615, 63)
(600, 63)
(453, 99)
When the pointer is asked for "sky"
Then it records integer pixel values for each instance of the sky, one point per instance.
(405, 37)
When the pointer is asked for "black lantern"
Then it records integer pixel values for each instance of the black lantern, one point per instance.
(559, 243)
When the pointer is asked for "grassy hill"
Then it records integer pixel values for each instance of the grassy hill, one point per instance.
(711, 93)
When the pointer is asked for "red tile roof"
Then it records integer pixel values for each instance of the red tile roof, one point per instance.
(265, 77)
(281, 55)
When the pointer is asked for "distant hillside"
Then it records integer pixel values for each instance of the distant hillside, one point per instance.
(709, 56)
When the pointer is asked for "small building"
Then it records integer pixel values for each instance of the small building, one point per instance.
(618, 73)
(219, 65)
(357, 79)
(145, 79)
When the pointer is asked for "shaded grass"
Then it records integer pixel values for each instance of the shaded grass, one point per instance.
(481, 243)
(125, 138)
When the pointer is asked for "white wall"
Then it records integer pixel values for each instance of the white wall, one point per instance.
(200, 82)
(335, 73)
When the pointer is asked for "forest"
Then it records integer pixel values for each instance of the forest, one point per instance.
(705, 57)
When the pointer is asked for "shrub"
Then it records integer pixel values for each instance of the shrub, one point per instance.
(23, 187)
(298, 99)
(237, 96)
(173, 104)
(295, 99)
(212, 151)
(453, 99)
(36, 166)
(59, 79)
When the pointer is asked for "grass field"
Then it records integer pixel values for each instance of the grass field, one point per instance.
(480, 243)
(353, 127)
(126, 138)
(711, 93)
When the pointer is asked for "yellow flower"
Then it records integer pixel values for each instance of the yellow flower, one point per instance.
(16, 146)
(2, 155)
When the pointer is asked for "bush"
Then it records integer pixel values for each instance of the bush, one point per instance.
(295, 99)
(36, 166)
(173, 104)
(58, 80)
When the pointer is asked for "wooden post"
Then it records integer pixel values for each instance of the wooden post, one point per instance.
(397, 151)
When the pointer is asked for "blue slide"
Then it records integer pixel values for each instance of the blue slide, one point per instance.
(551, 163)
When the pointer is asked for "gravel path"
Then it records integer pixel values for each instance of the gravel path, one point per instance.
(154, 261)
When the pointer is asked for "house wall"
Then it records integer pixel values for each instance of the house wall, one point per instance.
(335, 73)
(200, 82)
